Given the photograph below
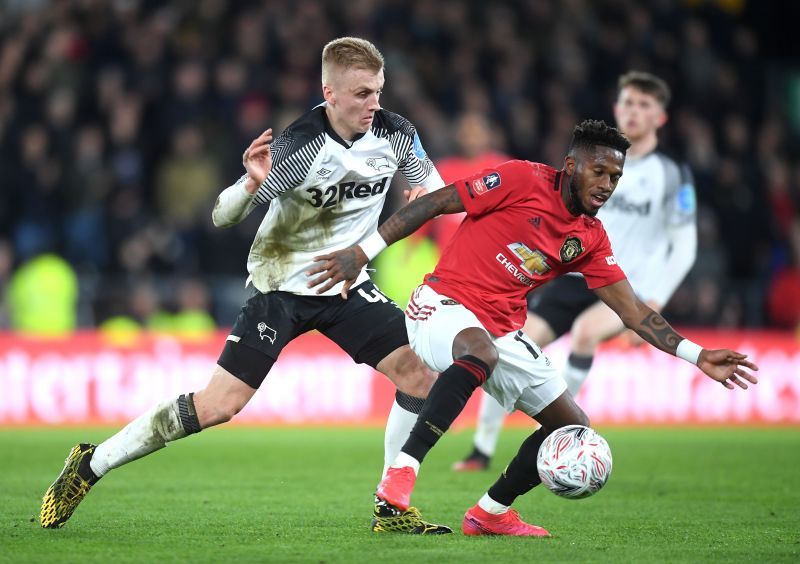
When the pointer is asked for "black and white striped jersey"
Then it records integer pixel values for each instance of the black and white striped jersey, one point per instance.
(650, 220)
(324, 194)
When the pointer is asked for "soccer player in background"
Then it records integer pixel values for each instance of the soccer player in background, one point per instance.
(654, 202)
(324, 180)
(526, 223)
(476, 140)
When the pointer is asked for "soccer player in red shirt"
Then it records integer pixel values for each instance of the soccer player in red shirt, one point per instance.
(526, 223)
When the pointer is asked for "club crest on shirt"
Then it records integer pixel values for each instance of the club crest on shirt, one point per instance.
(378, 163)
(533, 262)
(571, 249)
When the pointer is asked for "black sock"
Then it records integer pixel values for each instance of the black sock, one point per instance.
(447, 398)
(478, 454)
(188, 414)
(522, 475)
(580, 361)
(85, 470)
(409, 403)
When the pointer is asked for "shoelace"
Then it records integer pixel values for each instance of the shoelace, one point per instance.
(76, 488)
(511, 515)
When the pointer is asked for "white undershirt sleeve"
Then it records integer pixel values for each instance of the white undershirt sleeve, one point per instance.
(433, 181)
(683, 251)
(233, 205)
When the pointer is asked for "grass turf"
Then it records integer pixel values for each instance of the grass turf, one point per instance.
(304, 495)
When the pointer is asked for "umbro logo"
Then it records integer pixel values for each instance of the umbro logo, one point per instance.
(324, 173)
(535, 221)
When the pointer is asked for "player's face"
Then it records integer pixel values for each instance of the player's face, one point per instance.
(638, 114)
(593, 177)
(353, 97)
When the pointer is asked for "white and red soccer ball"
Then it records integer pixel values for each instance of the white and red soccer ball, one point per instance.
(574, 462)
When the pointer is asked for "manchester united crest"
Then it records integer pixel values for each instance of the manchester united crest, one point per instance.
(571, 249)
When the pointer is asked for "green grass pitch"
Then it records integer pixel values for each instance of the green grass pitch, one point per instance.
(304, 495)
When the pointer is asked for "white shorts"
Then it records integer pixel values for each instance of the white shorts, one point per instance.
(524, 377)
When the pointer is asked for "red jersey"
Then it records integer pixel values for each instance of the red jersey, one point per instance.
(517, 235)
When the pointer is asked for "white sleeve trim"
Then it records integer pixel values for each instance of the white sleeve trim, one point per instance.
(433, 182)
(683, 252)
(233, 205)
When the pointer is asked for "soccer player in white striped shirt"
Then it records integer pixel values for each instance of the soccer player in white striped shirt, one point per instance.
(324, 181)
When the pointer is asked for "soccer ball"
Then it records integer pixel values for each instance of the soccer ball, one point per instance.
(574, 462)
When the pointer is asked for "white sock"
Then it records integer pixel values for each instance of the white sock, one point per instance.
(398, 427)
(147, 433)
(491, 506)
(490, 423)
(404, 459)
(576, 371)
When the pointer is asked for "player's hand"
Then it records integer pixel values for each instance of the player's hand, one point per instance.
(337, 266)
(414, 193)
(257, 160)
(727, 367)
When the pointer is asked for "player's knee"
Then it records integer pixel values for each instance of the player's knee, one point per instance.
(539, 330)
(487, 352)
(407, 372)
(475, 342)
(415, 380)
(419, 383)
(584, 341)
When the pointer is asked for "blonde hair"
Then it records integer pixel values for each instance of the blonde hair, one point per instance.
(350, 52)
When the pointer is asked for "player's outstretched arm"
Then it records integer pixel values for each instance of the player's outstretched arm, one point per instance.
(723, 365)
(345, 265)
(236, 202)
(409, 218)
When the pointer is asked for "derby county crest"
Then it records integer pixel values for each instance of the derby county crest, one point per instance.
(571, 249)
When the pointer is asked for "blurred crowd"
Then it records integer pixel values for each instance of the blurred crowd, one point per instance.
(121, 120)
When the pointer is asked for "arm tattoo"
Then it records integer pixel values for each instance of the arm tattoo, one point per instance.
(655, 330)
(413, 216)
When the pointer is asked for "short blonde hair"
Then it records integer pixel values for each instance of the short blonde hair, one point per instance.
(350, 52)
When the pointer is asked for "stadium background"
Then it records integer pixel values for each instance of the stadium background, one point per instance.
(120, 121)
